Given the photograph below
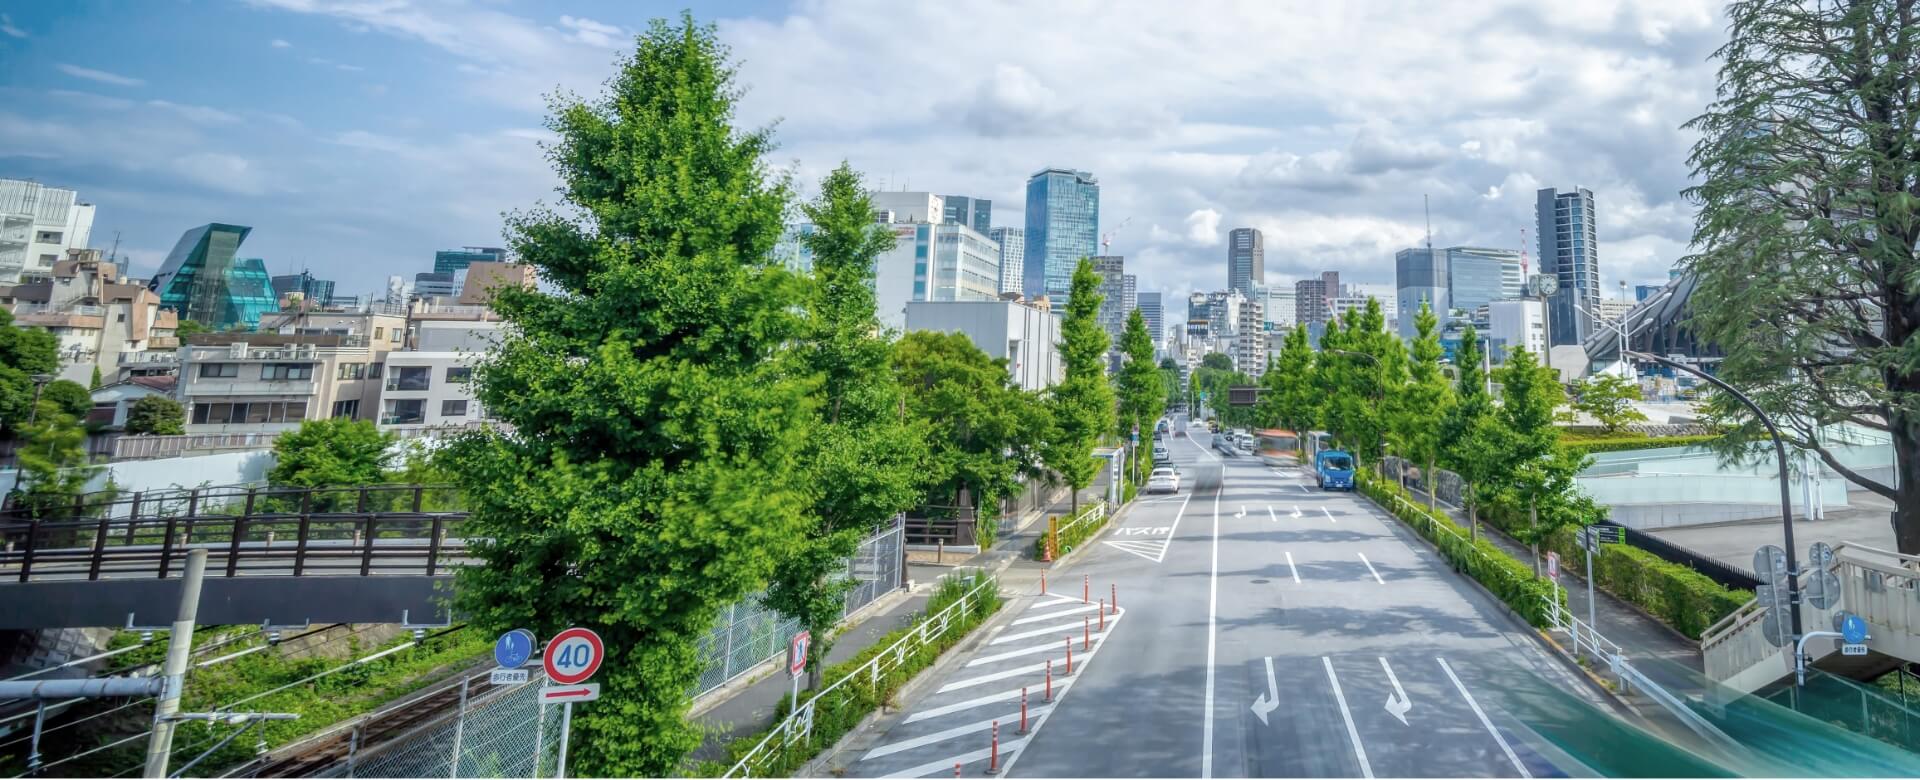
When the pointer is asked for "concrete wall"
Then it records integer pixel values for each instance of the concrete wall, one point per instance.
(226, 468)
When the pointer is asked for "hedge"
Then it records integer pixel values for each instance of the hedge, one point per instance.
(1678, 596)
(1071, 537)
(1581, 446)
(1510, 580)
(837, 714)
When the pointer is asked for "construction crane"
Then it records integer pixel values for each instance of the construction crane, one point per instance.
(1106, 239)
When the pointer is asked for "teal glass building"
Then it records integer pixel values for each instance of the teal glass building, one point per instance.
(447, 261)
(202, 279)
(1063, 225)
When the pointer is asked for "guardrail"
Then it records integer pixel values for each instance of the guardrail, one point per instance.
(143, 447)
(958, 530)
(1587, 639)
(798, 726)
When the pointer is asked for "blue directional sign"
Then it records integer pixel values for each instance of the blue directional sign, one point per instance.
(1853, 629)
(513, 648)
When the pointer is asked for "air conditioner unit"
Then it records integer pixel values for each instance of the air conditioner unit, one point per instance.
(237, 349)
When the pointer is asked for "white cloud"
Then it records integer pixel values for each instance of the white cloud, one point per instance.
(200, 114)
(280, 44)
(1203, 227)
(594, 33)
(99, 75)
(7, 27)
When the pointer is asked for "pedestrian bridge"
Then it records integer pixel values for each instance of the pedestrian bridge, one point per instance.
(1881, 587)
(284, 556)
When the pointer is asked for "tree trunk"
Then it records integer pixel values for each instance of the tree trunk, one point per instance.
(1473, 521)
(1906, 512)
(817, 656)
(1533, 532)
(1432, 477)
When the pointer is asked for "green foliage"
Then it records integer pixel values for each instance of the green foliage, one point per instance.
(1082, 404)
(54, 464)
(1591, 446)
(67, 397)
(653, 475)
(865, 460)
(1288, 396)
(1808, 229)
(1216, 360)
(1609, 399)
(1137, 385)
(322, 453)
(24, 352)
(156, 415)
(1509, 580)
(1539, 479)
(840, 710)
(982, 432)
(1417, 413)
(1474, 440)
(1360, 369)
(1070, 534)
(96, 379)
(189, 328)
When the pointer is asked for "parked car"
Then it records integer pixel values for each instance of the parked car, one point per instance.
(1163, 480)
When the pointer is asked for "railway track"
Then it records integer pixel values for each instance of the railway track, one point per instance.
(371, 732)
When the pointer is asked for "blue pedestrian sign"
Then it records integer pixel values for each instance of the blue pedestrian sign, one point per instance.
(513, 649)
(1853, 629)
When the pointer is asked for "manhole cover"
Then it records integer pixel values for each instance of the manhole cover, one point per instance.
(1261, 582)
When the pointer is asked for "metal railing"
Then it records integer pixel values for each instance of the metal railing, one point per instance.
(372, 530)
(142, 447)
(797, 727)
(1588, 641)
(1094, 513)
(955, 525)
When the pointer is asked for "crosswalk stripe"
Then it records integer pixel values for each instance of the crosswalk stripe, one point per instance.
(1058, 631)
(942, 736)
(1011, 694)
(1096, 636)
(1055, 601)
(984, 679)
(945, 765)
(1052, 615)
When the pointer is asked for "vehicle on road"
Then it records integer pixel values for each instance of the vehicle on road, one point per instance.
(1163, 480)
(1334, 469)
(1160, 455)
(1224, 444)
(1276, 446)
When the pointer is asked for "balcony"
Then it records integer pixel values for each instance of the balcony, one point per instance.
(209, 387)
(410, 378)
(150, 358)
(26, 309)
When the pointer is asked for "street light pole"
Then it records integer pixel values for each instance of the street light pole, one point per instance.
(39, 383)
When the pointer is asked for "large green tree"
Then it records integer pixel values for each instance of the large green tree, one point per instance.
(652, 476)
(1082, 404)
(24, 352)
(1288, 397)
(331, 453)
(983, 433)
(1137, 385)
(1608, 398)
(864, 461)
(1474, 440)
(1808, 233)
(1420, 409)
(1539, 473)
(1362, 367)
(156, 415)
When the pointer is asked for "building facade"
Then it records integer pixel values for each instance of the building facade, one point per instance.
(447, 261)
(268, 382)
(934, 262)
(1013, 257)
(1250, 340)
(97, 319)
(38, 224)
(1278, 305)
(204, 280)
(1024, 334)
(1117, 291)
(904, 207)
(1246, 260)
(1518, 323)
(1477, 276)
(1420, 276)
(1152, 314)
(1063, 226)
(1310, 302)
(976, 213)
(1569, 249)
(430, 386)
(317, 291)
(792, 250)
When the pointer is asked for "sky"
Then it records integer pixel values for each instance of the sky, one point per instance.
(358, 136)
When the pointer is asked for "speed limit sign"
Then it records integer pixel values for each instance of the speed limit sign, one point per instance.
(573, 656)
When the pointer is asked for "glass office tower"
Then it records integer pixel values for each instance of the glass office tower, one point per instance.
(203, 281)
(1063, 226)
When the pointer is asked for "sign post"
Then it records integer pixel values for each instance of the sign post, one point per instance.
(1553, 576)
(571, 658)
(797, 663)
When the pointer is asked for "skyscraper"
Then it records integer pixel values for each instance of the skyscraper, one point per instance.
(1246, 260)
(1013, 256)
(1116, 289)
(1420, 276)
(1310, 301)
(1569, 250)
(1063, 225)
(976, 213)
(447, 261)
(1477, 276)
(1151, 313)
(315, 291)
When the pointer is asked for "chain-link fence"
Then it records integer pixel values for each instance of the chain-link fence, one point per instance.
(497, 734)
(748, 633)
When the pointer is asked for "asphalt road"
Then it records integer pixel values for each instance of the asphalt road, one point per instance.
(1272, 630)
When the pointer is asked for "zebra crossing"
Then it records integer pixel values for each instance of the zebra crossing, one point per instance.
(1025, 662)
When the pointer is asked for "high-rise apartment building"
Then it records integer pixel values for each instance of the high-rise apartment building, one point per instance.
(38, 224)
(1063, 226)
(1250, 340)
(1117, 292)
(447, 261)
(1420, 276)
(976, 213)
(1569, 249)
(1477, 276)
(1152, 315)
(1246, 260)
(1310, 301)
(1013, 256)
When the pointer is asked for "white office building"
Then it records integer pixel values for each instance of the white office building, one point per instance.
(900, 207)
(1024, 334)
(1013, 257)
(1277, 306)
(934, 262)
(1520, 323)
(430, 385)
(38, 224)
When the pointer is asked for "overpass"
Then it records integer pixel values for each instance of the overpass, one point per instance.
(1745, 653)
(283, 556)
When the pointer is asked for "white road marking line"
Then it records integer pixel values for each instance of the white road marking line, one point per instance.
(1012, 694)
(1052, 615)
(1504, 747)
(1059, 696)
(942, 736)
(1055, 631)
(945, 765)
(984, 679)
(1270, 514)
(1213, 612)
(1094, 636)
(1290, 567)
(1152, 551)
(1329, 514)
(1376, 575)
(1303, 489)
(1054, 601)
(1353, 734)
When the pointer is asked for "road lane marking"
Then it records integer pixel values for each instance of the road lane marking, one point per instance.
(1059, 697)
(1303, 489)
(1152, 551)
(1051, 615)
(1055, 601)
(1050, 646)
(1504, 747)
(1397, 703)
(1291, 568)
(1270, 514)
(942, 736)
(1060, 630)
(1376, 575)
(1011, 694)
(1329, 514)
(1353, 734)
(984, 679)
(945, 765)
(1213, 613)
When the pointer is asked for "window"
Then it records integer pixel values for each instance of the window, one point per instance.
(353, 371)
(50, 236)
(453, 408)
(374, 369)
(459, 374)
(410, 378)
(258, 412)
(405, 411)
(397, 334)
(220, 370)
(379, 333)
(346, 409)
(286, 371)
(120, 316)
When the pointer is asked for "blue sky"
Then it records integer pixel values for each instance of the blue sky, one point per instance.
(357, 136)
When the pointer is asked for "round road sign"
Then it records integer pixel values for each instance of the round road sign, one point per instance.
(513, 648)
(1853, 629)
(573, 656)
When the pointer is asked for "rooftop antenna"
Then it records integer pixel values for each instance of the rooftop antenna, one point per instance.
(1427, 206)
(114, 253)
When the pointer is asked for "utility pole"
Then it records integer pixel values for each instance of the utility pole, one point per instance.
(179, 643)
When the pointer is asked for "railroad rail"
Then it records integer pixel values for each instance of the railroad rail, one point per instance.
(373, 732)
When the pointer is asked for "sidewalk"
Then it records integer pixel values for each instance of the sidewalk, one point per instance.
(1633, 630)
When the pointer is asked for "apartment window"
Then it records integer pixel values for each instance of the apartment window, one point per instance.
(353, 371)
(219, 370)
(346, 409)
(397, 333)
(50, 237)
(379, 333)
(374, 369)
(453, 408)
(120, 316)
(410, 378)
(255, 412)
(286, 371)
(405, 411)
(459, 374)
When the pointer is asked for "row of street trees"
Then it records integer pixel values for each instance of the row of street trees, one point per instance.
(1376, 395)
(692, 422)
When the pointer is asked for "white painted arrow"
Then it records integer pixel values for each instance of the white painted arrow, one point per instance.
(1397, 704)
(1269, 701)
(1243, 512)
(1296, 510)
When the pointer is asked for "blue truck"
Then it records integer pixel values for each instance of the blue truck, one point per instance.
(1335, 469)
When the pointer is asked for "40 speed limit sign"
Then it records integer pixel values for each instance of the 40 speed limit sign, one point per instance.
(573, 656)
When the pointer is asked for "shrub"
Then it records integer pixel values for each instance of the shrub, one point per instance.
(1510, 580)
(1586, 446)
(1070, 534)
